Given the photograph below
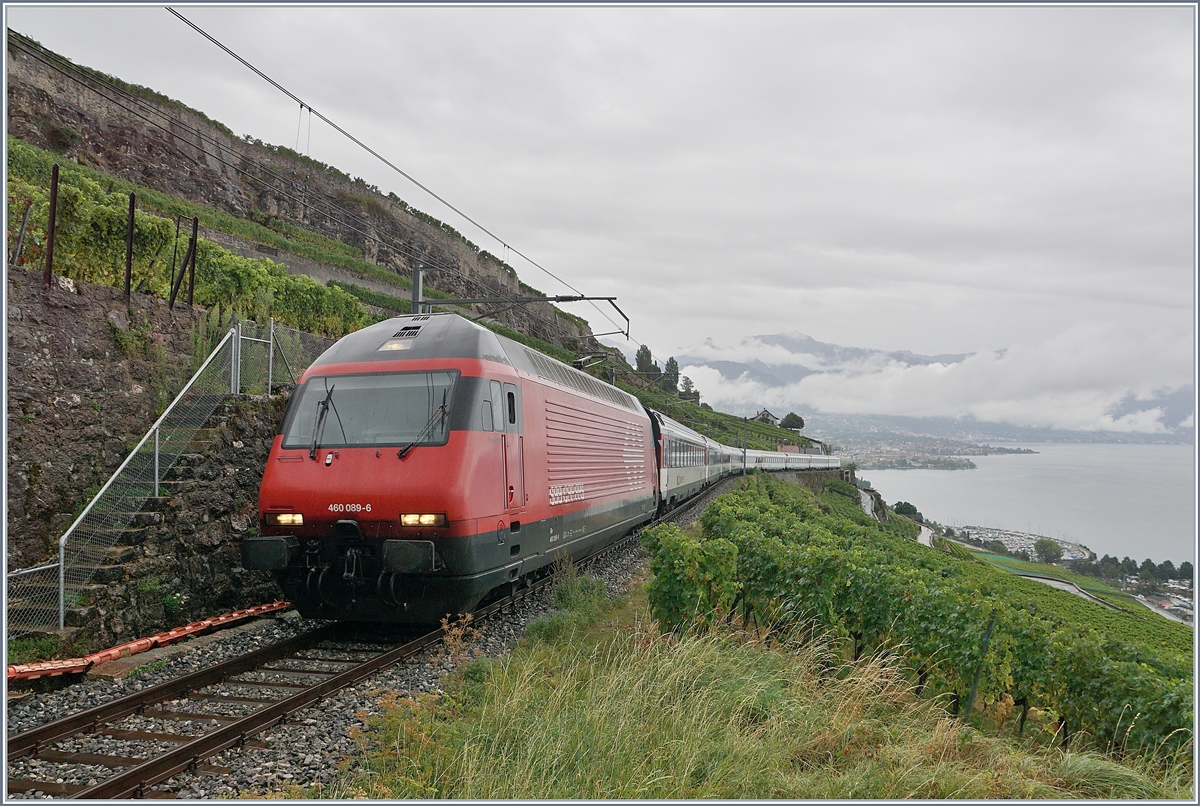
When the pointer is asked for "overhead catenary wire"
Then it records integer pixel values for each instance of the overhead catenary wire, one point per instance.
(380, 157)
(339, 215)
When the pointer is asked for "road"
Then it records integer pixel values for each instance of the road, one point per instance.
(867, 503)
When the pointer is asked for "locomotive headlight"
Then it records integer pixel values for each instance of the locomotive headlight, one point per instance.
(285, 519)
(422, 520)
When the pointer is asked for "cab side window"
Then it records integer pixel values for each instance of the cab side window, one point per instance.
(510, 410)
(496, 395)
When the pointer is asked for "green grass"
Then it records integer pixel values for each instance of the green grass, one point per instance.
(1089, 584)
(603, 705)
(34, 648)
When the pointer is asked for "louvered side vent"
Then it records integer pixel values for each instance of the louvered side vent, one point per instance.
(552, 370)
(420, 318)
(407, 333)
(596, 454)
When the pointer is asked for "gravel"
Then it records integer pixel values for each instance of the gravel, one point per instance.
(304, 752)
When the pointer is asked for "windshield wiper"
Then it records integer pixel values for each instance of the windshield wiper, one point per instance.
(441, 410)
(319, 426)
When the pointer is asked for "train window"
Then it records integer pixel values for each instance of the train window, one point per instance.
(497, 398)
(395, 408)
(511, 409)
(487, 415)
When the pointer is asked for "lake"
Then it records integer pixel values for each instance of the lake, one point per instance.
(1125, 500)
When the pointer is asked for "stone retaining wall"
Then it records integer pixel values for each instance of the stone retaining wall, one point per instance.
(181, 559)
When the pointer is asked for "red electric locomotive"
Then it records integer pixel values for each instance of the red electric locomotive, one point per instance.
(424, 462)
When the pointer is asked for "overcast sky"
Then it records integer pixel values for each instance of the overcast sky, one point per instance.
(940, 180)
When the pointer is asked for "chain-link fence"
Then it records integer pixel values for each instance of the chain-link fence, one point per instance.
(250, 359)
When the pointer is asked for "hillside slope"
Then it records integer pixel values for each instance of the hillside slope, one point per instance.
(136, 134)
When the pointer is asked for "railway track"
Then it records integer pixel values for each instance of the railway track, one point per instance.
(179, 724)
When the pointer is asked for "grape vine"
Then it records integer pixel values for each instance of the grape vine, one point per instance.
(785, 560)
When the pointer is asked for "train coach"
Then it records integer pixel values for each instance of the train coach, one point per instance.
(773, 461)
(425, 463)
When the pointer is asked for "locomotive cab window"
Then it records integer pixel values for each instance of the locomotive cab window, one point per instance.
(389, 409)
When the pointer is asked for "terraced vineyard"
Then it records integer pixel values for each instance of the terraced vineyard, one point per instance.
(791, 563)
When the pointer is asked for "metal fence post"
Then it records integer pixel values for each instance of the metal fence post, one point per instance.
(62, 584)
(236, 356)
(270, 355)
(156, 463)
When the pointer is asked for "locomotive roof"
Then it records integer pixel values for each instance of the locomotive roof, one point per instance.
(447, 335)
(438, 335)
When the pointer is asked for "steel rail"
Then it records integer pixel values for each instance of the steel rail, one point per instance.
(30, 741)
(138, 778)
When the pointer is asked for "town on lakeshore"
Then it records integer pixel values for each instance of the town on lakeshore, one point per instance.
(908, 452)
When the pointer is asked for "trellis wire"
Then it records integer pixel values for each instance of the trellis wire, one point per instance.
(250, 359)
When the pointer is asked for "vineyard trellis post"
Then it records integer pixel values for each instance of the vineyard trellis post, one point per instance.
(129, 250)
(21, 235)
(50, 225)
(192, 267)
(987, 637)
(189, 256)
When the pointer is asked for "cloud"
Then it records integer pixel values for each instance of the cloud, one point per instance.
(1089, 376)
(938, 179)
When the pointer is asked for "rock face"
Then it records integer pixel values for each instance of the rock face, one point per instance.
(87, 375)
(175, 150)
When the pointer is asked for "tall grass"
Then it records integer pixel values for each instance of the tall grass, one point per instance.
(631, 713)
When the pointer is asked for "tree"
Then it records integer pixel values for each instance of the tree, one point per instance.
(687, 391)
(1185, 570)
(1147, 578)
(996, 547)
(1047, 550)
(670, 377)
(905, 508)
(645, 361)
(1166, 570)
(1129, 567)
(949, 532)
(1110, 567)
(792, 420)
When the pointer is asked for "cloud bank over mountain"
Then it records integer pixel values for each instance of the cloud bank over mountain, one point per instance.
(1087, 377)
